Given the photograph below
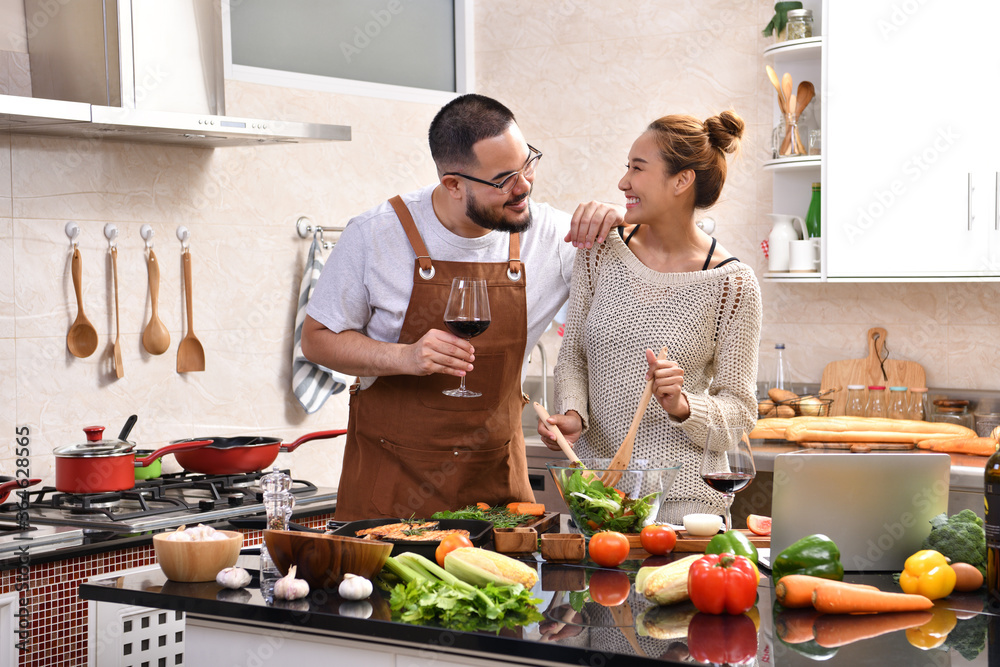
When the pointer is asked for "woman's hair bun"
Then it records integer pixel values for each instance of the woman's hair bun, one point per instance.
(725, 131)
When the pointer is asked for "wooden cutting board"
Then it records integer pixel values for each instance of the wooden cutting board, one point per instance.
(868, 371)
(690, 544)
(861, 446)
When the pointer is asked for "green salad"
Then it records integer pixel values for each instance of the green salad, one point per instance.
(598, 507)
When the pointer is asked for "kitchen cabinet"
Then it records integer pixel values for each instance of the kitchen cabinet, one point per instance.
(911, 163)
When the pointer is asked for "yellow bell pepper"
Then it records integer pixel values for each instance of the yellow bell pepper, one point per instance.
(927, 573)
(934, 632)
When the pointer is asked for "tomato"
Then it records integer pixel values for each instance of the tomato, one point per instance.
(720, 583)
(759, 525)
(658, 540)
(608, 548)
(449, 544)
(609, 587)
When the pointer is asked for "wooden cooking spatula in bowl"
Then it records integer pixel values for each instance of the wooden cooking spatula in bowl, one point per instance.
(623, 456)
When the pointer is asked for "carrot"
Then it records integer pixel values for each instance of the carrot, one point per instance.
(796, 590)
(795, 626)
(973, 446)
(513, 506)
(483, 506)
(841, 598)
(837, 630)
(534, 509)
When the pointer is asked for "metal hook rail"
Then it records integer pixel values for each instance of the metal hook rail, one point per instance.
(305, 228)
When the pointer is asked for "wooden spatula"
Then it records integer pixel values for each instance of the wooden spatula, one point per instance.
(624, 454)
(564, 445)
(190, 353)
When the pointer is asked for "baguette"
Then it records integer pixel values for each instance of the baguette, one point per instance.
(773, 427)
(973, 446)
(869, 429)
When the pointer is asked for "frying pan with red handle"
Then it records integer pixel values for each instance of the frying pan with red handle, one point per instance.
(8, 484)
(242, 454)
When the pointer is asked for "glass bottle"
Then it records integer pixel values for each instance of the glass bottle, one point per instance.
(898, 407)
(800, 24)
(779, 367)
(278, 503)
(918, 403)
(855, 401)
(992, 527)
(813, 226)
(875, 407)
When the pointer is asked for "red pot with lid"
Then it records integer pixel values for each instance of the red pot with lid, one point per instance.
(105, 465)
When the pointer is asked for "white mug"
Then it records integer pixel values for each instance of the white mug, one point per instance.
(803, 256)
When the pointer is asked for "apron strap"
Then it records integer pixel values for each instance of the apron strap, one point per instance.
(514, 261)
(416, 242)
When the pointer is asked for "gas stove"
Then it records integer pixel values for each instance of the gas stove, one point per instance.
(172, 500)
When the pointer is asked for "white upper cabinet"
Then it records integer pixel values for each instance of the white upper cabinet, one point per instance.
(912, 154)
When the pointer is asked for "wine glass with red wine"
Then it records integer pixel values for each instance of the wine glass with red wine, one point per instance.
(727, 464)
(467, 315)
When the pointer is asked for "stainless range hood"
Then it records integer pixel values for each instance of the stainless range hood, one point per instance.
(138, 70)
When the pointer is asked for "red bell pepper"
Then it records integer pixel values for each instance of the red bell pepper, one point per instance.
(722, 583)
(724, 639)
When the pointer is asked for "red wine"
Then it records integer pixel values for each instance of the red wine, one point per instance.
(467, 328)
(728, 482)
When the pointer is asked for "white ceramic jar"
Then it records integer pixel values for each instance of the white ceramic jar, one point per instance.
(783, 232)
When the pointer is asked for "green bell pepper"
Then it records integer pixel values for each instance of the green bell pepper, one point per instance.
(815, 555)
(732, 542)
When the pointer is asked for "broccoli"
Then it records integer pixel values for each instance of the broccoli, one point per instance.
(960, 537)
(969, 637)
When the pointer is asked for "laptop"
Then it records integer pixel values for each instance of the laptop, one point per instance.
(876, 506)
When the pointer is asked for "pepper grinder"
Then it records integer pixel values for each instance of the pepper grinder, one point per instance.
(278, 503)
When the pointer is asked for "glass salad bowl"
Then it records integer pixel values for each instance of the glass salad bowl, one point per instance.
(633, 502)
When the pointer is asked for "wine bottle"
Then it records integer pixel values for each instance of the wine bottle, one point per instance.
(813, 214)
(992, 527)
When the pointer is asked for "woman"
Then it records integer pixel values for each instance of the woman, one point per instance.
(661, 281)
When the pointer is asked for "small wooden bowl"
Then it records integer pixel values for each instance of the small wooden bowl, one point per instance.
(322, 559)
(563, 547)
(561, 577)
(515, 540)
(199, 560)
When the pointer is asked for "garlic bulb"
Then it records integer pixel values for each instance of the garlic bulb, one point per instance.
(233, 577)
(290, 588)
(354, 587)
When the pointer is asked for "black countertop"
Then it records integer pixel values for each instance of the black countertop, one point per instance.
(592, 636)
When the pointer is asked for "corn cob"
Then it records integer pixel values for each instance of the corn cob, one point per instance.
(668, 583)
(480, 567)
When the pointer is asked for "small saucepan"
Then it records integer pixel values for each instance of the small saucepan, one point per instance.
(151, 471)
(101, 466)
(243, 454)
(8, 484)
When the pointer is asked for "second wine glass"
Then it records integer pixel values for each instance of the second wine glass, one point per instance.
(467, 315)
(727, 464)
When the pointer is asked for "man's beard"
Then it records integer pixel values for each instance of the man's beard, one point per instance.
(490, 219)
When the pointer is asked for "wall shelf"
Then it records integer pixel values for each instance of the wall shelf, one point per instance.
(797, 162)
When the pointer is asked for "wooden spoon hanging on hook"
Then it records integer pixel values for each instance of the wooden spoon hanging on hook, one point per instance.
(119, 364)
(155, 338)
(82, 336)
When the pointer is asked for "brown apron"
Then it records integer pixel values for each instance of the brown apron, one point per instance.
(412, 451)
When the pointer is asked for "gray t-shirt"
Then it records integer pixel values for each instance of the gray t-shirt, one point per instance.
(366, 283)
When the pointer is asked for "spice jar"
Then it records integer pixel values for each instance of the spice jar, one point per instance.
(918, 403)
(952, 412)
(898, 406)
(800, 24)
(855, 406)
(875, 406)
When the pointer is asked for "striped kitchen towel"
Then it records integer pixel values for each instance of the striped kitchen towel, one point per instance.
(312, 383)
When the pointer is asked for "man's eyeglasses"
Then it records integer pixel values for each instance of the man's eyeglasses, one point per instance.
(508, 183)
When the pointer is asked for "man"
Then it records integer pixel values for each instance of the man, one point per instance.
(378, 312)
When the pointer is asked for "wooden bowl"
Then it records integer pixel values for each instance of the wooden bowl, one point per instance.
(565, 547)
(323, 560)
(196, 561)
(515, 540)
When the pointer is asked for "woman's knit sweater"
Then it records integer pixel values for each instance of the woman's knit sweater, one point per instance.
(710, 323)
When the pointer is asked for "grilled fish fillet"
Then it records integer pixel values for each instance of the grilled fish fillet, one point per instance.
(410, 532)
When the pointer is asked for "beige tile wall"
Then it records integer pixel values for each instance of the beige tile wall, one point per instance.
(583, 78)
